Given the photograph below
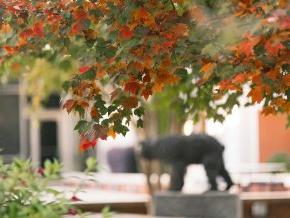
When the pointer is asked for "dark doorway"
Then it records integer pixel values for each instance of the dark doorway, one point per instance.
(48, 141)
(9, 125)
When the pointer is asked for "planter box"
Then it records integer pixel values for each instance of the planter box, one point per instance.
(209, 205)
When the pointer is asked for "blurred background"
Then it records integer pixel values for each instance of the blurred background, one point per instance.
(257, 150)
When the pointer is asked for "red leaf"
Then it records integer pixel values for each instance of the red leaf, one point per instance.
(75, 198)
(147, 78)
(86, 144)
(246, 47)
(79, 14)
(132, 87)
(84, 69)
(272, 48)
(76, 28)
(126, 33)
(146, 93)
(240, 78)
(40, 171)
(10, 50)
(168, 44)
(101, 132)
(38, 29)
(227, 85)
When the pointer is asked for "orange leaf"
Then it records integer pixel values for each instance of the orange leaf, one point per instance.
(112, 133)
(209, 67)
(286, 79)
(240, 78)
(101, 73)
(69, 105)
(257, 78)
(147, 60)
(130, 102)
(268, 110)
(94, 113)
(157, 87)
(273, 74)
(166, 63)
(146, 93)
(180, 30)
(6, 28)
(142, 16)
(257, 94)
(207, 70)
(83, 104)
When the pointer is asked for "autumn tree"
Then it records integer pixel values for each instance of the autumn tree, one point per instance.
(128, 50)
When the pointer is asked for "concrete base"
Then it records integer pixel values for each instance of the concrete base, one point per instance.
(208, 205)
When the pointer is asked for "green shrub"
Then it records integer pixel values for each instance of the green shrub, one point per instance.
(24, 191)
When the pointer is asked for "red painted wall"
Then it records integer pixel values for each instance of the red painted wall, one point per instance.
(273, 136)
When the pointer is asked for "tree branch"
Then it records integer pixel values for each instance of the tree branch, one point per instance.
(173, 5)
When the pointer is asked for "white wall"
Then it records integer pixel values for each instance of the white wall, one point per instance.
(240, 135)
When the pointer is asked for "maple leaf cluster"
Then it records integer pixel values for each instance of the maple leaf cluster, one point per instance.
(131, 49)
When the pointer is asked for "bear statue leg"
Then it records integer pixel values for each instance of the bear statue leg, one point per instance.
(177, 176)
(212, 170)
(225, 174)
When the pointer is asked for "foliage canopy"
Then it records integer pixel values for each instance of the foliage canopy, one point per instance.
(209, 50)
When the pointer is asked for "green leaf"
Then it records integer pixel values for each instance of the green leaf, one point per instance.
(80, 110)
(66, 85)
(65, 65)
(110, 52)
(182, 73)
(140, 123)
(139, 111)
(89, 75)
(121, 129)
(82, 126)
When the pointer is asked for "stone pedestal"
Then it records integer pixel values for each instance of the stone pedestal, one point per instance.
(208, 205)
